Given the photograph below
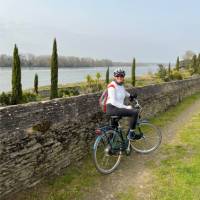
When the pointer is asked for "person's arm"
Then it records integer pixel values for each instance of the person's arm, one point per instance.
(127, 94)
(111, 95)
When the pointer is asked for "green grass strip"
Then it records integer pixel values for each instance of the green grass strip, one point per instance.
(178, 173)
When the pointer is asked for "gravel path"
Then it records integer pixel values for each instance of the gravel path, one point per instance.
(133, 171)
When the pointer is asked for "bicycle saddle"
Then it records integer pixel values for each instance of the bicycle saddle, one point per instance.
(115, 117)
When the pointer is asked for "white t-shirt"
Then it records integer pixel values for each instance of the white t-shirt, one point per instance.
(116, 95)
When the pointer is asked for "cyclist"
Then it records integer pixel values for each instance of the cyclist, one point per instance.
(115, 102)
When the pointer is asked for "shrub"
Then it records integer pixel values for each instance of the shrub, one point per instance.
(162, 72)
(89, 80)
(176, 75)
(98, 76)
(167, 75)
(28, 97)
(5, 98)
(63, 92)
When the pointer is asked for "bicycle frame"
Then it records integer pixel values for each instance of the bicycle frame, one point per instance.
(118, 130)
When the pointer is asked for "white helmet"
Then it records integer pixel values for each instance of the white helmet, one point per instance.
(119, 71)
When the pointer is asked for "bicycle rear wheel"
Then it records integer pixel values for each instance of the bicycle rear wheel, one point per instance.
(105, 158)
(150, 140)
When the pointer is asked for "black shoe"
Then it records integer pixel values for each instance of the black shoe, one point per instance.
(138, 136)
(133, 136)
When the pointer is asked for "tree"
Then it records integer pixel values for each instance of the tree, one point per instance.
(16, 78)
(162, 72)
(107, 75)
(89, 80)
(193, 65)
(198, 64)
(169, 70)
(36, 84)
(98, 76)
(177, 64)
(54, 72)
(133, 72)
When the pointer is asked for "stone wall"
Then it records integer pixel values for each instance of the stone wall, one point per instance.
(64, 131)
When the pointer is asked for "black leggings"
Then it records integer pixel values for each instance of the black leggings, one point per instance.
(123, 112)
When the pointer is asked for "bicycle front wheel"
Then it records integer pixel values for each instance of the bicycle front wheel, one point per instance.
(106, 161)
(150, 140)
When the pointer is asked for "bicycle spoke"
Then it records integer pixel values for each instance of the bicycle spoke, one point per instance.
(150, 141)
(105, 160)
(152, 137)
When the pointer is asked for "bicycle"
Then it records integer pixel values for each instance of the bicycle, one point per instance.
(111, 144)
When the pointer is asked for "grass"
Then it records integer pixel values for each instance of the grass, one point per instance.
(81, 178)
(178, 174)
(126, 195)
(164, 171)
(72, 184)
(141, 81)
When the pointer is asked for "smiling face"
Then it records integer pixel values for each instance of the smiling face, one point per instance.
(119, 78)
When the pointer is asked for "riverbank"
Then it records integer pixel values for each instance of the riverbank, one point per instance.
(75, 89)
(78, 88)
(65, 76)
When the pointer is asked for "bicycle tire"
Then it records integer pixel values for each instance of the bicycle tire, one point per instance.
(146, 128)
(104, 139)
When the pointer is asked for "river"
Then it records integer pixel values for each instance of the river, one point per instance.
(65, 75)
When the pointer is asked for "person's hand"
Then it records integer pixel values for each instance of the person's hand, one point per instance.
(133, 96)
(129, 107)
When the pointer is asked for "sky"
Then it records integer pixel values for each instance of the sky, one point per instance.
(150, 31)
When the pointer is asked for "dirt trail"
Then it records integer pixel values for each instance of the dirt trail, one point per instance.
(133, 171)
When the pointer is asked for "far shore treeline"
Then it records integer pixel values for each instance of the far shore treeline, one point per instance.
(30, 60)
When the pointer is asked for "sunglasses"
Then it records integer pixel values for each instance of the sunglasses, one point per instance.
(121, 76)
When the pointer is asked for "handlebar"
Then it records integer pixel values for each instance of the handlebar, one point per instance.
(137, 105)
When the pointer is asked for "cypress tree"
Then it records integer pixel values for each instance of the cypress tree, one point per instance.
(133, 72)
(107, 75)
(36, 84)
(198, 64)
(193, 65)
(54, 72)
(16, 78)
(169, 70)
(177, 64)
